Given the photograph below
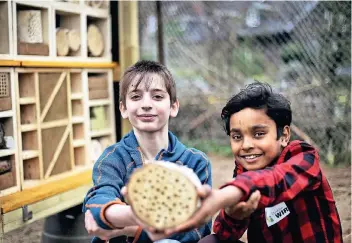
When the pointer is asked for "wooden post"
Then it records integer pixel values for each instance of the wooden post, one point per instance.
(160, 33)
(128, 42)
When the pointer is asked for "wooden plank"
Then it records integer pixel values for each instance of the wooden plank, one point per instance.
(52, 124)
(77, 119)
(99, 102)
(40, 192)
(100, 133)
(57, 152)
(28, 127)
(27, 100)
(78, 64)
(77, 96)
(110, 109)
(128, 42)
(79, 143)
(6, 152)
(9, 191)
(39, 126)
(52, 96)
(4, 114)
(69, 108)
(29, 154)
(44, 208)
(10, 63)
(38, 49)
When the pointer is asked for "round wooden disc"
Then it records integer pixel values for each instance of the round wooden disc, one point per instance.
(95, 40)
(74, 40)
(162, 197)
(62, 47)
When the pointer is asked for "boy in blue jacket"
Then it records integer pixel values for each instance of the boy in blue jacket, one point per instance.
(148, 100)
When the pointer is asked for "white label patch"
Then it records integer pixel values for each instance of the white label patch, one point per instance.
(276, 213)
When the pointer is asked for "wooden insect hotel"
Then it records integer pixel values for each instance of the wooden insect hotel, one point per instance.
(56, 102)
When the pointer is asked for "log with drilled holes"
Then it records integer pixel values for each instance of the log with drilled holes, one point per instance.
(163, 194)
(95, 41)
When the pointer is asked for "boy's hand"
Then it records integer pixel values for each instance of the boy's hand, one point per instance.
(213, 201)
(94, 230)
(243, 210)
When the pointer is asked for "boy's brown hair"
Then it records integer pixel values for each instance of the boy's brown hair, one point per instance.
(143, 70)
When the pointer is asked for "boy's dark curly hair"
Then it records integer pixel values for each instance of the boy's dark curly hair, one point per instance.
(259, 96)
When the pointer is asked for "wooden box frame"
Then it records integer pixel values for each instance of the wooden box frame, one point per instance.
(50, 8)
(6, 38)
(71, 18)
(11, 118)
(47, 26)
(36, 167)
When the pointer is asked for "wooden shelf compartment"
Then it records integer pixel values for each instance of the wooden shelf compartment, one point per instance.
(8, 179)
(31, 24)
(5, 29)
(53, 94)
(6, 129)
(77, 108)
(103, 24)
(76, 84)
(78, 131)
(100, 117)
(71, 21)
(5, 91)
(98, 86)
(31, 169)
(29, 140)
(26, 85)
(80, 156)
(28, 114)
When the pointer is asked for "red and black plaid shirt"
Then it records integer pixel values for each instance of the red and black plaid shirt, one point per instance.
(296, 179)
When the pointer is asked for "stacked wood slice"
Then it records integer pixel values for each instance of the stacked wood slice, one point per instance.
(66, 41)
(62, 47)
(95, 41)
(74, 40)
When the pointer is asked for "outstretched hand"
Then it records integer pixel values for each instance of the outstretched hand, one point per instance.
(212, 202)
(93, 229)
(243, 210)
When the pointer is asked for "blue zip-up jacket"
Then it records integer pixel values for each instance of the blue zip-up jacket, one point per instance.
(114, 167)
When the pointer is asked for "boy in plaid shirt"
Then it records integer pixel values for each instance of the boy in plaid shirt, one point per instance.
(296, 202)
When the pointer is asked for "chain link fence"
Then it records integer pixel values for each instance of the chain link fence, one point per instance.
(302, 48)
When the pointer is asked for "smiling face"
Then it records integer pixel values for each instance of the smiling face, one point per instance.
(148, 106)
(253, 138)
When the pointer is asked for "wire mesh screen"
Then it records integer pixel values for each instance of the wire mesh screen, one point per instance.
(303, 49)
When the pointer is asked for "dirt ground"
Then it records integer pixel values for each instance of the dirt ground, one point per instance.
(339, 179)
